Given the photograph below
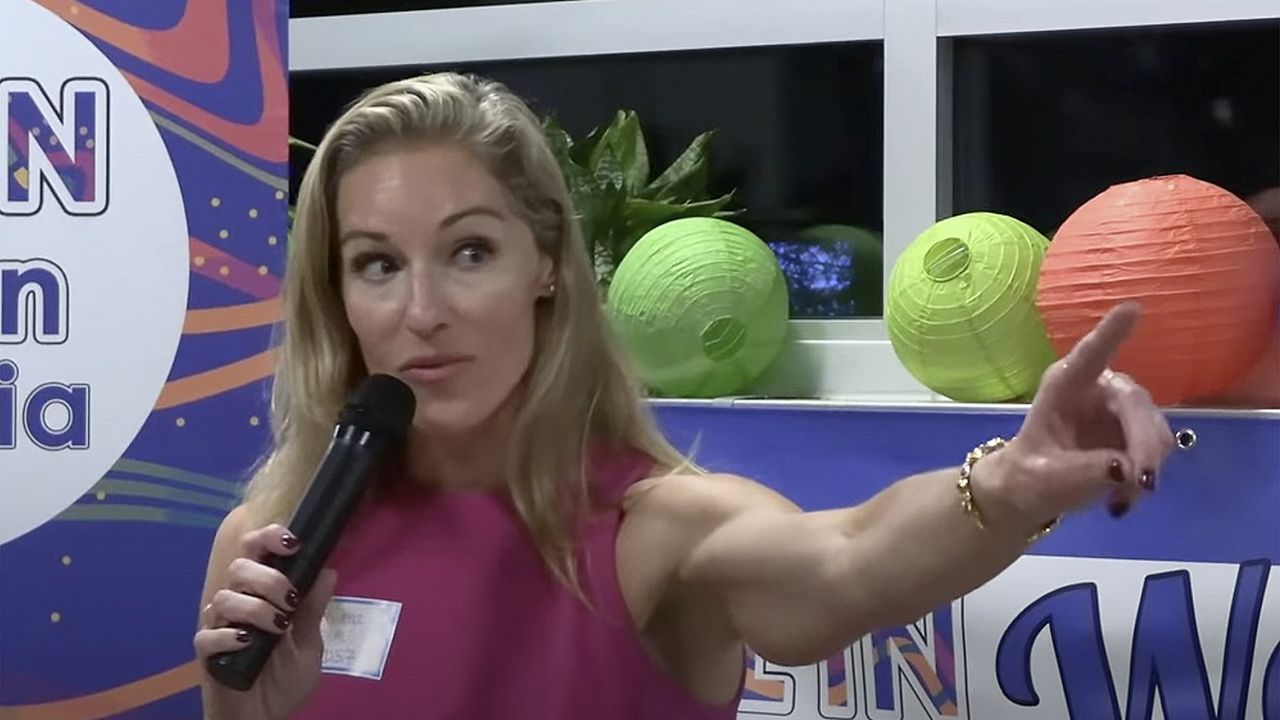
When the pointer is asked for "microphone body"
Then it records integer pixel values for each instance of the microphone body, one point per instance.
(364, 439)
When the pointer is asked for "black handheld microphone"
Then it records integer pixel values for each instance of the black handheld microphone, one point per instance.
(370, 429)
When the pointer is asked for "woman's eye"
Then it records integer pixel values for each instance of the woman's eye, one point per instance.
(373, 266)
(473, 252)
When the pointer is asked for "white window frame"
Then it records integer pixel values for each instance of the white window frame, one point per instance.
(833, 360)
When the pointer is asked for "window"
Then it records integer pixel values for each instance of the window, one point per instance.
(799, 139)
(1029, 98)
(1044, 122)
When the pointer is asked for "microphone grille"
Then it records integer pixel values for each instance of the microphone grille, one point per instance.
(380, 403)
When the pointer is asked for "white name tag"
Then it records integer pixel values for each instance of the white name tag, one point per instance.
(357, 636)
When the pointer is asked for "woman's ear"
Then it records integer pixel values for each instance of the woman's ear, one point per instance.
(546, 276)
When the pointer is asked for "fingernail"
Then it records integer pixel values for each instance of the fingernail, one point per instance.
(242, 636)
(1148, 480)
(292, 598)
(289, 541)
(1116, 470)
(282, 621)
(1117, 508)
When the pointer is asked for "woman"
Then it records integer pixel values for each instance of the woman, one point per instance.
(552, 555)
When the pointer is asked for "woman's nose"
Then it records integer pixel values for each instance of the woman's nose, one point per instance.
(428, 309)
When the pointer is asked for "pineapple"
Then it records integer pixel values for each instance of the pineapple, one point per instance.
(617, 203)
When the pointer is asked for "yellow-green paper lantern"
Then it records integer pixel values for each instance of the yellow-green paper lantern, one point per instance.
(701, 306)
(960, 309)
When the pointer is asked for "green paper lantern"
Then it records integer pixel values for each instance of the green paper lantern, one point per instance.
(961, 313)
(701, 307)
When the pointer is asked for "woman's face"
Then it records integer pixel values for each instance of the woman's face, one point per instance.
(440, 279)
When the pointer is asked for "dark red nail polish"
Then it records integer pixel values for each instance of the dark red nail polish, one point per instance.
(1117, 508)
(289, 541)
(292, 599)
(242, 636)
(1116, 471)
(1147, 480)
(282, 621)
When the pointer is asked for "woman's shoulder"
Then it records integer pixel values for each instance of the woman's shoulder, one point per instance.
(691, 505)
(666, 519)
(713, 492)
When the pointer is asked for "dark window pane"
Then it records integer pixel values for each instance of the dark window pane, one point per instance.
(1045, 122)
(799, 138)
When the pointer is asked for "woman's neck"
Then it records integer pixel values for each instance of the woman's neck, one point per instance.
(464, 461)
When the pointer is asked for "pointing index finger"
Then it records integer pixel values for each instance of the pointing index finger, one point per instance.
(1091, 355)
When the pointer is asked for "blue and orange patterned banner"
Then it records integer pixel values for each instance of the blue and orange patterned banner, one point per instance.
(142, 236)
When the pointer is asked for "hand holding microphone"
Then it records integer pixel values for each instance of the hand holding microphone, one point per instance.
(275, 593)
(258, 599)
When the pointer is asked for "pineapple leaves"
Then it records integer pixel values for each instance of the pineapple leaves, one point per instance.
(291, 208)
(608, 168)
(607, 173)
(687, 176)
(626, 143)
(300, 143)
(639, 216)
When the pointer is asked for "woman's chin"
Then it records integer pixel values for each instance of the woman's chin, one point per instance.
(461, 417)
(436, 425)
(444, 419)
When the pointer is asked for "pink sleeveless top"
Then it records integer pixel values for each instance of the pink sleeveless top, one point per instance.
(484, 630)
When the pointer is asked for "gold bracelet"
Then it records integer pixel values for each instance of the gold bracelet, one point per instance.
(965, 485)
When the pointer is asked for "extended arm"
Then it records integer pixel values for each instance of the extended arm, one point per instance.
(797, 586)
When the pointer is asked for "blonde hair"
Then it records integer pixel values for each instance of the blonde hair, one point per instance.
(577, 390)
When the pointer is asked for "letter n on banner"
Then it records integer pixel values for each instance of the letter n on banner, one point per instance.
(62, 148)
(779, 691)
(916, 665)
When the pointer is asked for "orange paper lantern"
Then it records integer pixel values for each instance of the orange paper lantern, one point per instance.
(1200, 261)
(1260, 386)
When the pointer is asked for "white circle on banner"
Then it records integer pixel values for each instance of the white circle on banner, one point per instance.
(93, 267)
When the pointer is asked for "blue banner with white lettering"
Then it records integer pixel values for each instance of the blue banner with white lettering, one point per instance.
(1171, 612)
